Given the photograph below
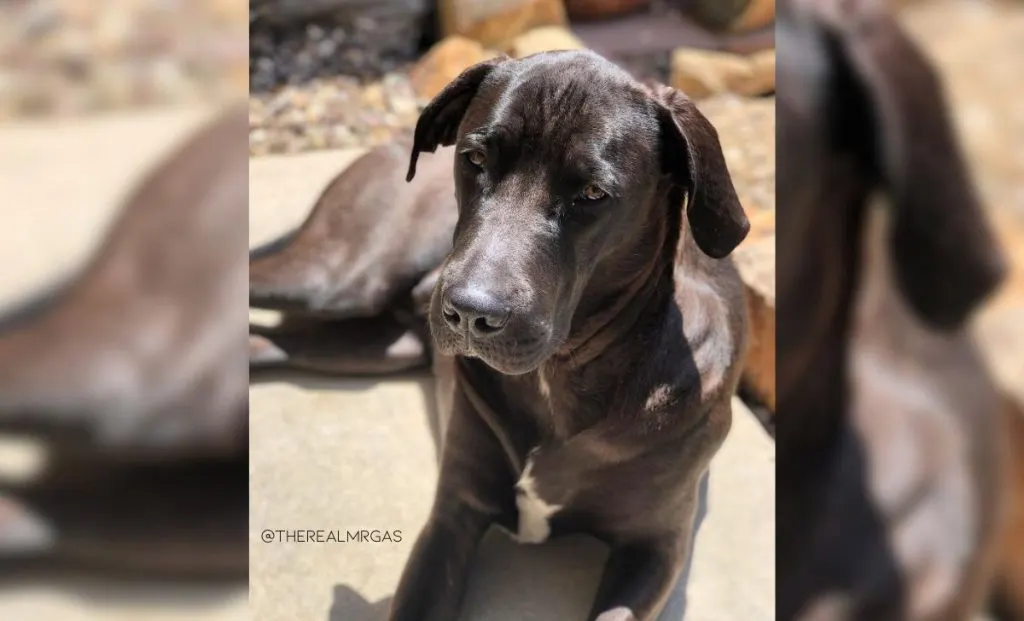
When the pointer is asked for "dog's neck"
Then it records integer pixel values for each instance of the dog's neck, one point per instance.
(612, 316)
(590, 361)
(638, 281)
(815, 329)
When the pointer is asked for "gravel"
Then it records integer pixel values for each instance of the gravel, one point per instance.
(329, 113)
(74, 57)
(357, 39)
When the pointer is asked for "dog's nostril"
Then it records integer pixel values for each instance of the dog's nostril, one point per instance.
(451, 317)
(474, 311)
(488, 325)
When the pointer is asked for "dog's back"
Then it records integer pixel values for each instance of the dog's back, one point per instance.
(369, 238)
(146, 347)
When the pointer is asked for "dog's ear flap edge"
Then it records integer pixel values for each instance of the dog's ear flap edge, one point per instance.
(946, 258)
(439, 120)
(693, 155)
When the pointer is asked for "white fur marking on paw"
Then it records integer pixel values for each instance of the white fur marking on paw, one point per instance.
(533, 512)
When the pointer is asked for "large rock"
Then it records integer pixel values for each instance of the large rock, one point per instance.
(494, 23)
(602, 9)
(290, 11)
(761, 79)
(734, 15)
(444, 62)
(758, 14)
(701, 73)
(543, 40)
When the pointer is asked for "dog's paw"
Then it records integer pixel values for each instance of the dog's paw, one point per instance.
(620, 613)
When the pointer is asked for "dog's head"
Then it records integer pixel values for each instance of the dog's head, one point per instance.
(564, 165)
(856, 94)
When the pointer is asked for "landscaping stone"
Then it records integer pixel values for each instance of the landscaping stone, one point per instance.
(735, 15)
(602, 9)
(494, 23)
(700, 73)
(73, 57)
(443, 63)
(544, 39)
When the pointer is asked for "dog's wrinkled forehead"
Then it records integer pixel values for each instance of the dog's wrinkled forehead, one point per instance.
(564, 102)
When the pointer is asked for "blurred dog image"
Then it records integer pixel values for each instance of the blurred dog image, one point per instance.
(892, 439)
(133, 373)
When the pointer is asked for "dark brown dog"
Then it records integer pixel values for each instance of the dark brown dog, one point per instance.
(587, 342)
(890, 443)
(135, 375)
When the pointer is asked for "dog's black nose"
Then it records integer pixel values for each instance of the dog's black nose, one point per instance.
(472, 311)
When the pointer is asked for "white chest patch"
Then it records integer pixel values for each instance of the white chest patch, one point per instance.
(534, 513)
(545, 388)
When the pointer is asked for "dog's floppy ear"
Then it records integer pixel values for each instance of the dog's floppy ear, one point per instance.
(439, 121)
(693, 156)
(945, 257)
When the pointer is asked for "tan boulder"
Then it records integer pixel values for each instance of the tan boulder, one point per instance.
(757, 15)
(494, 23)
(444, 62)
(544, 39)
(701, 73)
(602, 9)
(734, 15)
(761, 78)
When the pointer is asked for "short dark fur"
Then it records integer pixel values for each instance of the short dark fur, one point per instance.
(604, 303)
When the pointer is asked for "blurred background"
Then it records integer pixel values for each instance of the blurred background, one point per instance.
(93, 96)
(976, 46)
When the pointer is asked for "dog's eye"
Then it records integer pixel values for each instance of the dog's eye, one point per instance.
(593, 193)
(476, 158)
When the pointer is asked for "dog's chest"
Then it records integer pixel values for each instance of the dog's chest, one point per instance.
(534, 511)
(920, 478)
(545, 482)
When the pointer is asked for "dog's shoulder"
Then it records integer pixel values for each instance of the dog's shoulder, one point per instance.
(712, 320)
(691, 371)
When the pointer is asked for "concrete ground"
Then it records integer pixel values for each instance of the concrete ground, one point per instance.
(352, 455)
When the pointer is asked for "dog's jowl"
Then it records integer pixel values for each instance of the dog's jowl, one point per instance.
(587, 332)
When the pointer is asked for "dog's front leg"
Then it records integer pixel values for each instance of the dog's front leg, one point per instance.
(638, 579)
(434, 579)
(474, 490)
